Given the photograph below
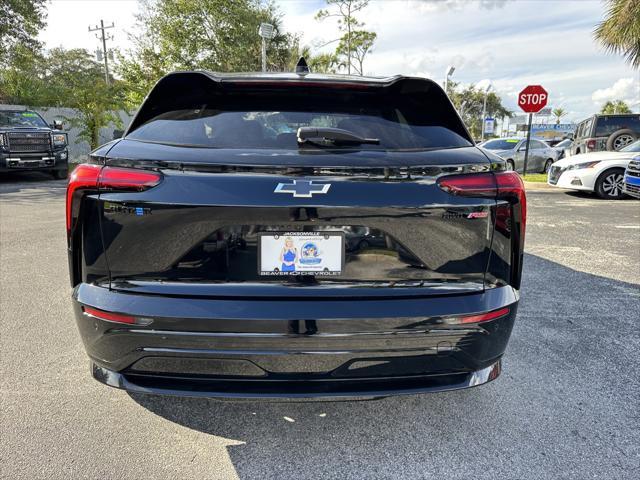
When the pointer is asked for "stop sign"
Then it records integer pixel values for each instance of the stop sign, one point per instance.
(533, 98)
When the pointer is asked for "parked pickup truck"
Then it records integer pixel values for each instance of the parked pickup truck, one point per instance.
(27, 142)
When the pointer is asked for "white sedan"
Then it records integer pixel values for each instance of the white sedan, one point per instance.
(599, 172)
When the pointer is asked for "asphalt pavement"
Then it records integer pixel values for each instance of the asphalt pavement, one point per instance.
(566, 405)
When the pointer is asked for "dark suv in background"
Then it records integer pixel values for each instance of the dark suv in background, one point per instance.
(28, 142)
(606, 132)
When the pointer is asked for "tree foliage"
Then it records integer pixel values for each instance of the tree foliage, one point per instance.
(469, 102)
(65, 78)
(20, 22)
(558, 113)
(217, 35)
(355, 43)
(620, 31)
(616, 106)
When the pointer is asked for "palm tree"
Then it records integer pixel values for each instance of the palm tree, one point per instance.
(558, 113)
(617, 106)
(620, 31)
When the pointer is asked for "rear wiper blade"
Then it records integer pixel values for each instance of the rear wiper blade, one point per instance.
(331, 136)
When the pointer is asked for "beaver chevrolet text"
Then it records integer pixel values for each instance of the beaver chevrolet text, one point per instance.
(292, 236)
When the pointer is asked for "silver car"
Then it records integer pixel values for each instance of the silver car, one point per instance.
(541, 155)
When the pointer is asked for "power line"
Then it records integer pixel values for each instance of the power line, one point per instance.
(104, 37)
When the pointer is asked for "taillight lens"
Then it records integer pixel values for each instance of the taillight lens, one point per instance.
(84, 177)
(112, 178)
(93, 177)
(500, 185)
(591, 144)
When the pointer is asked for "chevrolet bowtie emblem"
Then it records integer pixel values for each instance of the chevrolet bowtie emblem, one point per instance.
(303, 188)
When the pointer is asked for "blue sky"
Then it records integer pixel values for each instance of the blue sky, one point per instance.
(511, 43)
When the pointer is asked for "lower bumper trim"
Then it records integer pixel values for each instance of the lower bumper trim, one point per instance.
(338, 389)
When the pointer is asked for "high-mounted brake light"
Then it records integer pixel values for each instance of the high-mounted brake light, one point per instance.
(93, 177)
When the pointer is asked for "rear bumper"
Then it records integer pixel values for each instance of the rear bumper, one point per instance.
(294, 348)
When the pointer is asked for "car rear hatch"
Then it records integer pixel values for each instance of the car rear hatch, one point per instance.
(254, 214)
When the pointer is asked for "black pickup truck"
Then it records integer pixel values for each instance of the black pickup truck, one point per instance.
(28, 142)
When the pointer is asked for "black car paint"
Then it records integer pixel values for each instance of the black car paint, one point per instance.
(244, 336)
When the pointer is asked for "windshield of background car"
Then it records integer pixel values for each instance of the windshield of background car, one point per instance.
(564, 144)
(271, 118)
(21, 119)
(501, 144)
(610, 124)
(632, 147)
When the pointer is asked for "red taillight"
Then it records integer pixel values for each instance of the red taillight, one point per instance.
(85, 176)
(591, 144)
(127, 179)
(484, 317)
(510, 186)
(500, 185)
(109, 316)
(469, 185)
(92, 177)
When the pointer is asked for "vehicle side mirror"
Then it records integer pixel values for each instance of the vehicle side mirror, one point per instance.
(56, 125)
(117, 134)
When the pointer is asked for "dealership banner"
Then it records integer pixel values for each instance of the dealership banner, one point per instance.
(552, 131)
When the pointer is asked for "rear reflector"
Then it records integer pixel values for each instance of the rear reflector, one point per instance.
(109, 316)
(484, 317)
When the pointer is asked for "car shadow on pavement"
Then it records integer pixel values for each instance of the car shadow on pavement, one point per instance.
(564, 403)
(30, 187)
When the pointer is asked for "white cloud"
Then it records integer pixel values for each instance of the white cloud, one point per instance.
(626, 89)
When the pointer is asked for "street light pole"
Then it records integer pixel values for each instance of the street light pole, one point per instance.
(484, 109)
(267, 32)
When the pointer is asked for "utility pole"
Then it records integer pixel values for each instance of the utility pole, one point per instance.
(104, 37)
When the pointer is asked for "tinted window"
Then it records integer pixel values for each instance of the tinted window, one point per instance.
(501, 144)
(277, 129)
(21, 119)
(191, 109)
(607, 125)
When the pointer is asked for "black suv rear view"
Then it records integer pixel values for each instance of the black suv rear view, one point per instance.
(606, 132)
(27, 142)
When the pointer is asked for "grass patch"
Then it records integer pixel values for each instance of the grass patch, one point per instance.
(535, 177)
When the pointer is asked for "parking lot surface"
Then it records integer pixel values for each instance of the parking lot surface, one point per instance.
(566, 405)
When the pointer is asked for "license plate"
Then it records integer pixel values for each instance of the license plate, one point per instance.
(301, 253)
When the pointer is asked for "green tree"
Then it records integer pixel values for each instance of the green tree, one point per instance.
(20, 22)
(361, 45)
(620, 31)
(617, 106)
(354, 43)
(469, 102)
(558, 113)
(216, 35)
(65, 78)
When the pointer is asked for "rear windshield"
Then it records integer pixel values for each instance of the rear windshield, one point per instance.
(607, 125)
(246, 117)
(21, 119)
(501, 144)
